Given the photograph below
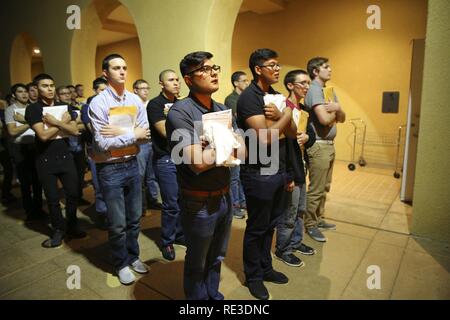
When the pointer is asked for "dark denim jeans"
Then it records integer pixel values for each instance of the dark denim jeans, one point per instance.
(237, 191)
(145, 162)
(266, 201)
(100, 205)
(206, 225)
(121, 187)
(166, 174)
(290, 227)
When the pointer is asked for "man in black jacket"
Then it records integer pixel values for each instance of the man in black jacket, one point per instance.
(290, 228)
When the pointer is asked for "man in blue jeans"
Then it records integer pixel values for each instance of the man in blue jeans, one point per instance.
(240, 83)
(145, 156)
(290, 228)
(206, 209)
(115, 149)
(165, 170)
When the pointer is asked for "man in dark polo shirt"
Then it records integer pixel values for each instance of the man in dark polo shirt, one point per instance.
(206, 209)
(240, 83)
(165, 170)
(54, 161)
(265, 183)
(324, 116)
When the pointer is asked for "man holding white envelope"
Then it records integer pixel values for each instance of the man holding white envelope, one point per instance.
(52, 124)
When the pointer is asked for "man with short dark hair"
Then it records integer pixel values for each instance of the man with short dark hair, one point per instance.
(240, 83)
(204, 186)
(32, 93)
(98, 85)
(165, 169)
(54, 161)
(290, 228)
(23, 153)
(79, 89)
(76, 143)
(115, 148)
(265, 192)
(324, 115)
(145, 156)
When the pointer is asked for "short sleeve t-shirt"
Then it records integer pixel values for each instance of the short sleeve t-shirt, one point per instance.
(155, 113)
(9, 118)
(183, 127)
(251, 103)
(314, 98)
(33, 115)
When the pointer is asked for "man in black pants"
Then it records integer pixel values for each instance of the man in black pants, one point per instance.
(265, 182)
(54, 161)
(23, 153)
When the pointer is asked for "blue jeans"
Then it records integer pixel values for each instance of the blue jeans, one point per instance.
(121, 186)
(266, 201)
(100, 205)
(166, 174)
(237, 192)
(206, 225)
(145, 161)
(290, 227)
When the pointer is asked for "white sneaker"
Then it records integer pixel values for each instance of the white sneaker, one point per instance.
(125, 275)
(139, 267)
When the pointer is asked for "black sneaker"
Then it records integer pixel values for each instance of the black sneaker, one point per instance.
(304, 249)
(55, 241)
(326, 226)
(276, 277)
(289, 259)
(168, 252)
(258, 290)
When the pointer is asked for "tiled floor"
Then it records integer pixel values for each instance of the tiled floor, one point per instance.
(372, 230)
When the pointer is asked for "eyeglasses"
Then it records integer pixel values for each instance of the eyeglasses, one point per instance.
(66, 93)
(206, 69)
(143, 88)
(271, 66)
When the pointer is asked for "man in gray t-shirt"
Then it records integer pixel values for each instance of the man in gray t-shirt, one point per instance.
(23, 153)
(325, 111)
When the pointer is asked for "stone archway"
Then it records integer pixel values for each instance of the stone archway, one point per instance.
(101, 26)
(25, 59)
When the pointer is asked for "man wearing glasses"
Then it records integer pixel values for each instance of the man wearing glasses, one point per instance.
(266, 195)
(324, 116)
(205, 202)
(145, 155)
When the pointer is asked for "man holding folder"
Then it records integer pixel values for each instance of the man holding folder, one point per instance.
(290, 228)
(119, 123)
(325, 112)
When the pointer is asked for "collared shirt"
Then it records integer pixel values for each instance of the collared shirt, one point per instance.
(231, 101)
(9, 118)
(33, 115)
(99, 111)
(155, 113)
(183, 115)
(251, 103)
(314, 98)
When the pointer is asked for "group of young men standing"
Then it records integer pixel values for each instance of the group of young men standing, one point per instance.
(199, 197)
